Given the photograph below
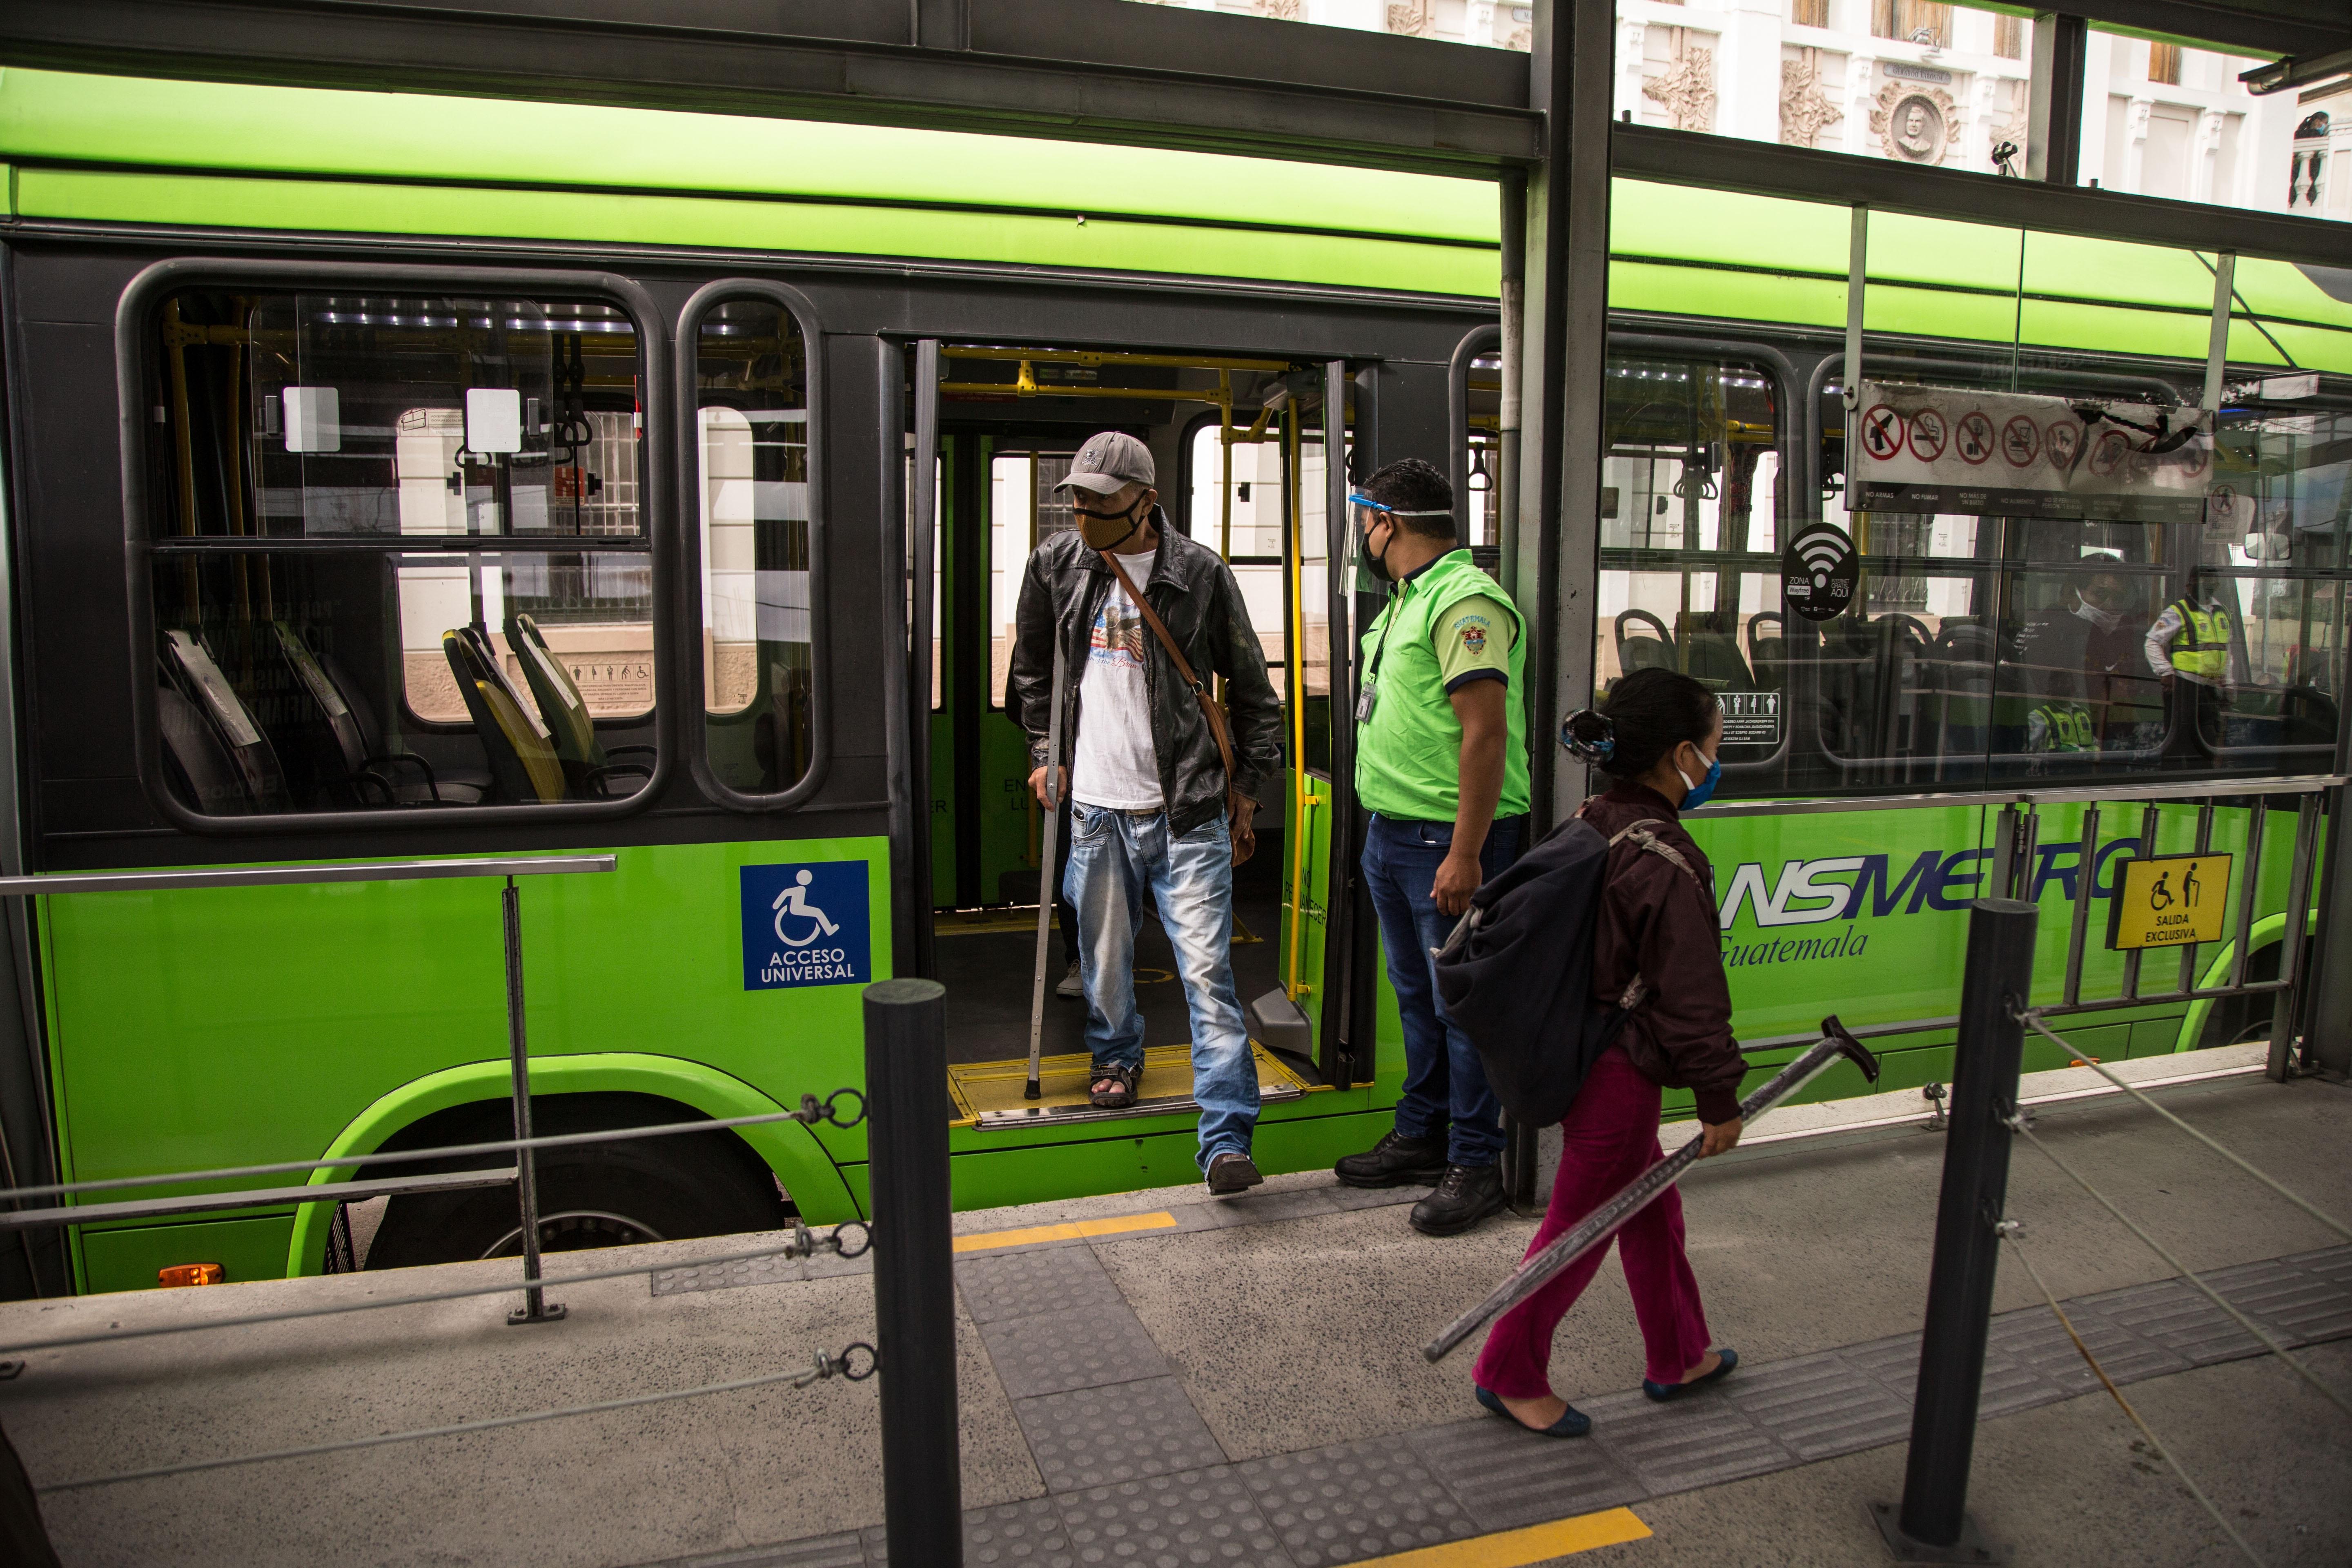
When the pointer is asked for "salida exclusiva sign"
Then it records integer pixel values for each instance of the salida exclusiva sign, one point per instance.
(1934, 450)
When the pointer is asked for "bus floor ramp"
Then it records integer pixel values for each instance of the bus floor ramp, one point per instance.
(1160, 1377)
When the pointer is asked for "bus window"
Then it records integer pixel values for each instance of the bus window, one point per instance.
(1256, 545)
(1024, 509)
(1689, 529)
(397, 555)
(751, 418)
(1307, 486)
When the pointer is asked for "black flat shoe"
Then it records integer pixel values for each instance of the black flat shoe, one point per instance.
(1574, 1423)
(1230, 1172)
(1662, 1392)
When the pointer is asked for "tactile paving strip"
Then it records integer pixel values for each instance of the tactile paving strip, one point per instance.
(2332, 1264)
(2298, 1307)
(1031, 1534)
(1508, 1479)
(1051, 1352)
(2034, 1338)
(1355, 1501)
(1095, 1436)
(2007, 1385)
(1819, 1405)
(1204, 1517)
(1699, 1440)
(1024, 1284)
(845, 1551)
(2171, 1314)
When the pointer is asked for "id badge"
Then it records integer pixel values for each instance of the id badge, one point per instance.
(1368, 699)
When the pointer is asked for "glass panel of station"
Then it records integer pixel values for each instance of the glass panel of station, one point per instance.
(399, 559)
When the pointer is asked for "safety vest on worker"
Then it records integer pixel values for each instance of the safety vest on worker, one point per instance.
(2201, 647)
(2061, 727)
(1409, 751)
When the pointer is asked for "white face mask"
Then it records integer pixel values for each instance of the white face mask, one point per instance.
(2105, 620)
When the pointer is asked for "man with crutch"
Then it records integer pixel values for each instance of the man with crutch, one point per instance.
(1161, 783)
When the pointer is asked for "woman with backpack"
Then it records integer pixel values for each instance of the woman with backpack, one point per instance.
(1656, 734)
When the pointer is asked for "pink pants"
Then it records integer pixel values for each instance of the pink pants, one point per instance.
(1611, 1136)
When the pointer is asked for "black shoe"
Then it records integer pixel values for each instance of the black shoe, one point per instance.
(1230, 1172)
(1466, 1195)
(1396, 1160)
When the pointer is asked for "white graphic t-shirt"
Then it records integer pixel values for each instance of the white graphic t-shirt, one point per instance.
(1114, 763)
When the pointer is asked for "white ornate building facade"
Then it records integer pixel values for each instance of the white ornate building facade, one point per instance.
(1925, 83)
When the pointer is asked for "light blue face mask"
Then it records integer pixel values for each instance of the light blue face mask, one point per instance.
(1699, 793)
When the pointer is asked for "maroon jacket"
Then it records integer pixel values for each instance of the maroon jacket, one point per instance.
(1657, 922)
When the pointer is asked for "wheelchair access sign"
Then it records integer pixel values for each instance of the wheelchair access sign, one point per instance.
(805, 924)
(2170, 900)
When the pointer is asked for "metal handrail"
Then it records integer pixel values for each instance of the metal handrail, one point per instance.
(317, 871)
(2186, 789)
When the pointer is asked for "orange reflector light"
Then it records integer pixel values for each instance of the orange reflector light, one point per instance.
(190, 1274)
(2079, 1061)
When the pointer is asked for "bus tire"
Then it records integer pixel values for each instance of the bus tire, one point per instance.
(620, 1193)
(2242, 1020)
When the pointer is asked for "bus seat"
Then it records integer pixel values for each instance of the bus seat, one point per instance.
(520, 750)
(1767, 656)
(1651, 647)
(1714, 652)
(453, 785)
(588, 765)
(370, 774)
(200, 772)
(190, 665)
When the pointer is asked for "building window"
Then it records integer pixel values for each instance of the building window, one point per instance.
(397, 557)
(1809, 13)
(1915, 21)
(2164, 64)
(2009, 38)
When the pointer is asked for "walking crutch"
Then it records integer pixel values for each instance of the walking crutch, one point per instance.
(1047, 891)
(1595, 1228)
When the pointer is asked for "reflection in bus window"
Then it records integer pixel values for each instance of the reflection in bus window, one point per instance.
(758, 669)
(398, 556)
(1251, 540)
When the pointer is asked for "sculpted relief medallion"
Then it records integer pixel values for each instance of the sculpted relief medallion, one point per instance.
(1915, 124)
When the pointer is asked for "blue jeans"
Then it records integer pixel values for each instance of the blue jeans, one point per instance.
(1117, 861)
(1445, 1092)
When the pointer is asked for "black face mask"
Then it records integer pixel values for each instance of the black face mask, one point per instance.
(1376, 560)
(1098, 529)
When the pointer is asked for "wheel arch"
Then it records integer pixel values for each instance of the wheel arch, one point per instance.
(788, 1148)
(2268, 931)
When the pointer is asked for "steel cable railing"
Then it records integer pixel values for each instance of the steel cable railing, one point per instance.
(2010, 1231)
(804, 1244)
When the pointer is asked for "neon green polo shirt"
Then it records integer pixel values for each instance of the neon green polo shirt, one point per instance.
(1449, 623)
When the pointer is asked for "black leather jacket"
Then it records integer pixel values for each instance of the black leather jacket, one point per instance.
(1194, 592)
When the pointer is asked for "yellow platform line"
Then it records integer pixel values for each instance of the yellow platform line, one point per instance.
(1076, 1230)
(1517, 1547)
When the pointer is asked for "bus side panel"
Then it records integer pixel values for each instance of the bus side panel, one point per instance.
(267, 1018)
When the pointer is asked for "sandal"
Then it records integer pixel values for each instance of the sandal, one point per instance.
(1113, 1087)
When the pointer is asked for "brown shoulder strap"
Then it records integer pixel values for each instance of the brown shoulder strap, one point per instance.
(1210, 710)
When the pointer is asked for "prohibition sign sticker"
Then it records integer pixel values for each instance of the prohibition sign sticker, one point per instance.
(2065, 438)
(2109, 453)
(1882, 433)
(1929, 433)
(1975, 435)
(2020, 442)
(2194, 457)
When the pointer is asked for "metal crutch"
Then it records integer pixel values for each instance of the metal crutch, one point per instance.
(1047, 891)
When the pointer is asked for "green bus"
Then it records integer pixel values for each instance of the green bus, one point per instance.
(395, 477)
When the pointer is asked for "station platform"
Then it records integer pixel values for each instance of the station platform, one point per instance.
(1165, 1378)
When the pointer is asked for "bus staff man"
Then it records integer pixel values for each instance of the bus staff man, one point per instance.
(2189, 648)
(1442, 762)
(1148, 786)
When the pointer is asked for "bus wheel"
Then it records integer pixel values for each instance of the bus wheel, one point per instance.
(2242, 1020)
(605, 1194)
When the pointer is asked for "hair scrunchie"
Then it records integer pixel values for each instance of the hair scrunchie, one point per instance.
(1590, 749)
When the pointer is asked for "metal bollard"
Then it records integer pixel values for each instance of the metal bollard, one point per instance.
(1932, 1525)
(536, 1308)
(914, 1270)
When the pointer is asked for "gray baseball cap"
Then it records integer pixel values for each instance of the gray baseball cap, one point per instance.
(1110, 461)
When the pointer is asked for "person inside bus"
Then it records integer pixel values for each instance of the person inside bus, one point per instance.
(1442, 764)
(2116, 683)
(1657, 734)
(1147, 782)
(2188, 648)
